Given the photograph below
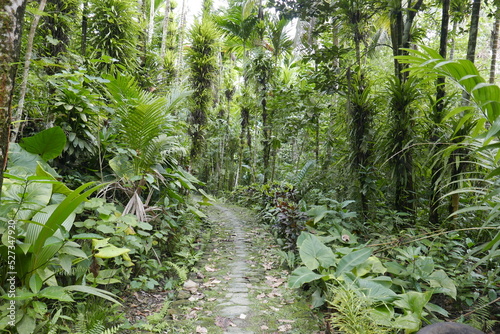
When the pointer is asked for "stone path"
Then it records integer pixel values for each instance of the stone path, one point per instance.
(240, 285)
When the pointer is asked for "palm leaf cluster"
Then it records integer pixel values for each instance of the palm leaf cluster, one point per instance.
(146, 127)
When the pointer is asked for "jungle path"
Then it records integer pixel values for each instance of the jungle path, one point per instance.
(240, 286)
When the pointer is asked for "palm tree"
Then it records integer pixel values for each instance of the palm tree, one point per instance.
(115, 30)
(202, 62)
(238, 27)
(402, 94)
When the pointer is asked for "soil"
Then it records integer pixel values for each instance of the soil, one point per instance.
(239, 286)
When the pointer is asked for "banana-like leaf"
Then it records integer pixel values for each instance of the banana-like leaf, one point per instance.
(301, 276)
(61, 213)
(48, 144)
(315, 254)
(348, 262)
(93, 291)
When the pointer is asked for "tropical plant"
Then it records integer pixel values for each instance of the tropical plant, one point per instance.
(115, 30)
(43, 211)
(355, 274)
(202, 61)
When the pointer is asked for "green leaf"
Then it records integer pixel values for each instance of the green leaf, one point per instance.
(57, 187)
(375, 291)
(111, 251)
(413, 302)
(348, 262)
(410, 322)
(85, 236)
(62, 212)
(35, 283)
(439, 279)
(49, 143)
(436, 309)
(371, 265)
(93, 291)
(301, 276)
(20, 158)
(318, 213)
(315, 254)
(26, 325)
(57, 293)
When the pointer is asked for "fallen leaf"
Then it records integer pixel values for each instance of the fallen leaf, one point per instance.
(210, 269)
(284, 328)
(268, 265)
(223, 322)
(261, 296)
(196, 297)
(200, 329)
(191, 286)
(264, 327)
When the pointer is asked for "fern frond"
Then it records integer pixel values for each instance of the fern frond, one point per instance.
(112, 330)
(481, 316)
(180, 271)
(301, 175)
(98, 328)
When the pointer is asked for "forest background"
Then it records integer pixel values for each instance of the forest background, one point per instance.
(364, 132)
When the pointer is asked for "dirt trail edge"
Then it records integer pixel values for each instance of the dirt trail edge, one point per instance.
(239, 285)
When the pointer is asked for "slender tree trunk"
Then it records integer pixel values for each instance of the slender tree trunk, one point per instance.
(18, 114)
(151, 22)
(474, 29)
(182, 28)
(83, 46)
(494, 45)
(11, 20)
(438, 115)
(458, 166)
(452, 42)
(166, 21)
(401, 38)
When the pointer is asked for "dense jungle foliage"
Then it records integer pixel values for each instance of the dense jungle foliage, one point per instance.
(365, 132)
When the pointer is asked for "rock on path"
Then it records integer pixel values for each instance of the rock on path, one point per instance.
(239, 286)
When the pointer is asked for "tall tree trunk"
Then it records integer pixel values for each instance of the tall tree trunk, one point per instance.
(453, 42)
(11, 19)
(182, 28)
(18, 114)
(458, 166)
(474, 29)
(494, 45)
(401, 38)
(83, 46)
(166, 21)
(438, 115)
(151, 22)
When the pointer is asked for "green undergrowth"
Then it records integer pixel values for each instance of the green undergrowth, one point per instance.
(273, 306)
